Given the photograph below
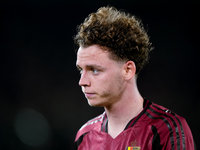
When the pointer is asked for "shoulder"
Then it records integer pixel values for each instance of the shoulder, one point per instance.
(89, 125)
(171, 128)
(156, 111)
(159, 115)
(175, 123)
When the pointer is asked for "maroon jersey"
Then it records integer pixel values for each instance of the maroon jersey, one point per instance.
(155, 128)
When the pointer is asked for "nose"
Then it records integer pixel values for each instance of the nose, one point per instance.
(84, 80)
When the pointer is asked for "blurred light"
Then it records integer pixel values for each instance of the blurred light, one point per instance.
(31, 127)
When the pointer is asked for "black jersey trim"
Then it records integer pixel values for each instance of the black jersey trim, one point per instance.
(156, 139)
(181, 126)
(168, 125)
(79, 141)
(104, 126)
(131, 122)
(174, 123)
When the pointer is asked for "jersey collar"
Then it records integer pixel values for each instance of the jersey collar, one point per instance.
(131, 123)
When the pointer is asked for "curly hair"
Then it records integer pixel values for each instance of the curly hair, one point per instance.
(118, 32)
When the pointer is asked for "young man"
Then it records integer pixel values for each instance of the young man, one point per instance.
(113, 48)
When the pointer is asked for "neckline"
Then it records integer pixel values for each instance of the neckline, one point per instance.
(131, 123)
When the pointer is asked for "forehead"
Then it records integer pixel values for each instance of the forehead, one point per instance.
(92, 54)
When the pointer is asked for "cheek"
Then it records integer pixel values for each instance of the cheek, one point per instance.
(102, 84)
(118, 82)
(113, 82)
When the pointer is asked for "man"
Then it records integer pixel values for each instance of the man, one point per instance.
(113, 48)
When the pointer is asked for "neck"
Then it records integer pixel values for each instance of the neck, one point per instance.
(120, 113)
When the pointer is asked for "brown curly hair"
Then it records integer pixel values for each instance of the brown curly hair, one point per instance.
(118, 32)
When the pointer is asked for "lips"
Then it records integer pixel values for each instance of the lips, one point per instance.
(89, 95)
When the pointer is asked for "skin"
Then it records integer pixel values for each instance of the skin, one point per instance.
(110, 84)
(101, 77)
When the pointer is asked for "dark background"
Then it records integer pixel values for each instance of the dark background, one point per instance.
(41, 104)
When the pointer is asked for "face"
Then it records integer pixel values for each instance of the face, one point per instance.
(101, 77)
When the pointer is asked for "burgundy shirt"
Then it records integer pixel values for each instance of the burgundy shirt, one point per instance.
(155, 128)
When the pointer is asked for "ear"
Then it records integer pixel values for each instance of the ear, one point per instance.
(129, 70)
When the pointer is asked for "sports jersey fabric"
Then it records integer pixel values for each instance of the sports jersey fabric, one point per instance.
(155, 128)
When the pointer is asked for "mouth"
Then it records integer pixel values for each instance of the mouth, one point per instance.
(89, 95)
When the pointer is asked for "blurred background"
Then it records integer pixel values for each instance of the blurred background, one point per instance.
(41, 103)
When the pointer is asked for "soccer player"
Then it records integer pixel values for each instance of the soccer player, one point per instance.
(113, 48)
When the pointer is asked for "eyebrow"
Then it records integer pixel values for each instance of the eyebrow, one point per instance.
(78, 67)
(91, 66)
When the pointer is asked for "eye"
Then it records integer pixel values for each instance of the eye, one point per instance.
(80, 70)
(95, 71)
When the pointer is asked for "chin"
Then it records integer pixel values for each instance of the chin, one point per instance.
(93, 103)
